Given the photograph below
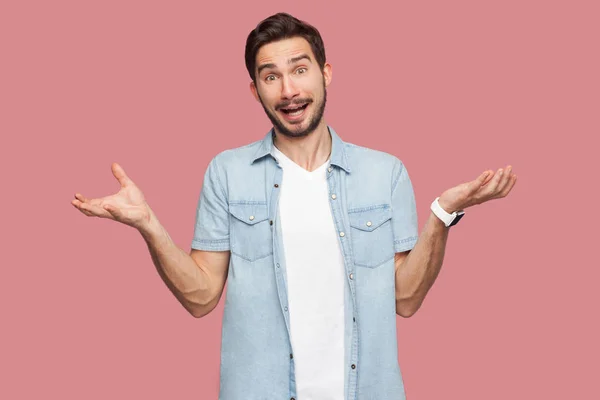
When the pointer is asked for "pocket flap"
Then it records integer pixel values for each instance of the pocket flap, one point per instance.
(370, 218)
(249, 213)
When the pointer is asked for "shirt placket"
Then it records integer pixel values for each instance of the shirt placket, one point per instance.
(279, 261)
(337, 197)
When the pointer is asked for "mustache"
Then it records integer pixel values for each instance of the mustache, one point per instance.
(289, 103)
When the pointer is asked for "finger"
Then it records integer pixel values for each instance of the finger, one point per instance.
(509, 186)
(483, 177)
(120, 174)
(113, 211)
(489, 174)
(478, 189)
(480, 181)
(506, 176)
(95, 210)
(81, 197)
(77, 204)
(496, 179)
(493, 184)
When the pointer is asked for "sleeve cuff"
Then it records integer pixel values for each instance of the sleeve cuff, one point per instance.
(210, 245)
(405, 244)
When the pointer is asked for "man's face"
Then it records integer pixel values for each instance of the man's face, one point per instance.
(290, 86)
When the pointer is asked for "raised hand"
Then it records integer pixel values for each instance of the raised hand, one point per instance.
(127, 206)
(487, 186)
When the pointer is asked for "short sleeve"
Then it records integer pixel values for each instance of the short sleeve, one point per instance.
(404, 210)
(211, 230)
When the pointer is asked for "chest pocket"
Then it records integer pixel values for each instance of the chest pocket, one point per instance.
(250, 230)
(372, 235)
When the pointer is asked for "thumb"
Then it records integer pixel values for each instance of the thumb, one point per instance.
(120, 174)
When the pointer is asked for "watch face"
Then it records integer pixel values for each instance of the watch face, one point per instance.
(458, 217)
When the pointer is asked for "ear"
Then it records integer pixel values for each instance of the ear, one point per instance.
(327, 73)
(254, 91)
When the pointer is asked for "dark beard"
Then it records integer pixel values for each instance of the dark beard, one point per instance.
(314, 123)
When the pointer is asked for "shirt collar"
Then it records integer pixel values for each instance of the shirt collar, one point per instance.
(338, 149)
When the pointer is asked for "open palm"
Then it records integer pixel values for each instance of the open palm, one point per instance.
(127, 206)
(486, 187)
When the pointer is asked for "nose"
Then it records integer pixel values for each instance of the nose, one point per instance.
(289, 90)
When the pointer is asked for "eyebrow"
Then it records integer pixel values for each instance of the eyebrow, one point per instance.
(290, 61)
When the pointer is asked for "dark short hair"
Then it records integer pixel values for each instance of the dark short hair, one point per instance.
(278, 27)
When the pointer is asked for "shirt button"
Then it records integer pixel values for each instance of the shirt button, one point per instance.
(271, 222)
(252, 218)
(276, 185)
(291, 356)
(333, 196)
(285, 308)
(342, 234)
(329, 169)
(369, 223)
(277, 265)
(354, 319)
(353, 366)
(351, 276)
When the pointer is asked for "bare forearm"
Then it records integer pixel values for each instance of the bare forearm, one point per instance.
(417, 272)
(184, 278)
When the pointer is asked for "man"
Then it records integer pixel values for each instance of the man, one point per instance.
(317, 239)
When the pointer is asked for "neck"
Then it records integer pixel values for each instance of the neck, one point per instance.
(309, 152)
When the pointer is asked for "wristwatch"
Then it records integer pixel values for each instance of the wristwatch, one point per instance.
(448, 219)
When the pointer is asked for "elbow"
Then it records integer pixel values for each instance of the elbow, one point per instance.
(200, 309)
(199, 312)
(406, 309)
(405, 313)
(196, 312)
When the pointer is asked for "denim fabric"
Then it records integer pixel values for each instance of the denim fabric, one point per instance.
(375, 214)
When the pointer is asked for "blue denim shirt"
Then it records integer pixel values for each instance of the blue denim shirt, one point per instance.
(375, 214)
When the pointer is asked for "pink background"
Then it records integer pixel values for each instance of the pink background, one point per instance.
(450, 87)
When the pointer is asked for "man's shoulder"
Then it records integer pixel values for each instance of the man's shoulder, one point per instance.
(237, 156)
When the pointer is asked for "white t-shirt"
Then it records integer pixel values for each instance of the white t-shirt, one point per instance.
(315, 276)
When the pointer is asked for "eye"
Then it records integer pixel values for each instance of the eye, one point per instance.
(270, 77)
(301, 70)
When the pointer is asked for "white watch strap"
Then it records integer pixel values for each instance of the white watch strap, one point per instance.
(441, 213)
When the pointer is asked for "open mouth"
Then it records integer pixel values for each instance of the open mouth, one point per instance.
(295, 110)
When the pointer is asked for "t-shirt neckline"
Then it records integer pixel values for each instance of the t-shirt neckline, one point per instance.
(291, 162)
